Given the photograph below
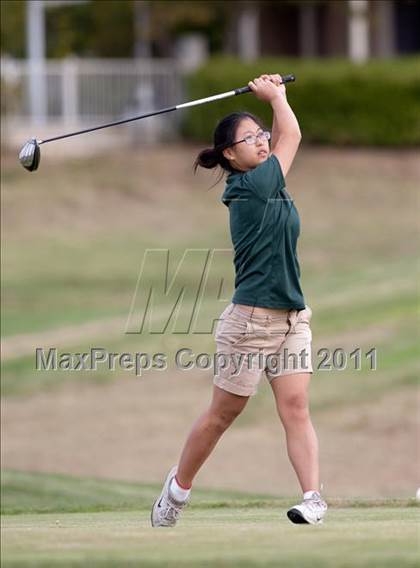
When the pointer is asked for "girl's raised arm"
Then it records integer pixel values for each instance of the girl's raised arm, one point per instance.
(285, 134)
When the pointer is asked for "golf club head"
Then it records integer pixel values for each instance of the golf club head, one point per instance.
(30, 155)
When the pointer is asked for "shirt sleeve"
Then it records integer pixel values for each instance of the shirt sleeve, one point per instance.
(266, 179)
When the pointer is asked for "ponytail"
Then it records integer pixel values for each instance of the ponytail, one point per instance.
(224, 136)
(211, 158)
(208, 158)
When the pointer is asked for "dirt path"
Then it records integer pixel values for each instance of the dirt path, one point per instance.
(65, 337)
(134, 428)
(25, 344)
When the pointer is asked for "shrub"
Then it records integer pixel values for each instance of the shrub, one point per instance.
(335, 101)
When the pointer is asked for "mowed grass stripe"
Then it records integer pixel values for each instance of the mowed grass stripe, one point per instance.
(30, 492)
(233, 537)
(81, 293)
(24, 492)
(398, 363)
(391, 322)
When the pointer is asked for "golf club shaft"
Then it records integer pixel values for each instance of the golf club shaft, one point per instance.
(240, 91)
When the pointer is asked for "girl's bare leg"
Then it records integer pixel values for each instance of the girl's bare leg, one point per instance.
(291, 395)
(206, 432)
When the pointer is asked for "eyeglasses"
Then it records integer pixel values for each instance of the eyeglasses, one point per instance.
(252, 138)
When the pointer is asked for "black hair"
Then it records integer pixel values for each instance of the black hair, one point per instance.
(224, 136)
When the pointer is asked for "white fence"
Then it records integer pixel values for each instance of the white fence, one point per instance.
(75, 92)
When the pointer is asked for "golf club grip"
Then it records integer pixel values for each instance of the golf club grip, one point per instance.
(285, 79)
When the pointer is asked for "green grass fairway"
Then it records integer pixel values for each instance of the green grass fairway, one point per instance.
(376, 536)
(218, 529)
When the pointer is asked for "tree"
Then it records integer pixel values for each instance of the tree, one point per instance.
(107, 28)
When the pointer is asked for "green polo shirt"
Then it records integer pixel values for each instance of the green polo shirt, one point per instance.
(264, 227)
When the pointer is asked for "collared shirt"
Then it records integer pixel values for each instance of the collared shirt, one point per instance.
(264, 227)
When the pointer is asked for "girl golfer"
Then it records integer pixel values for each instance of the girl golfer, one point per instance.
(267, 323)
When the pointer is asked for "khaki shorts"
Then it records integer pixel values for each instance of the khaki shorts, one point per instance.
(250, 344)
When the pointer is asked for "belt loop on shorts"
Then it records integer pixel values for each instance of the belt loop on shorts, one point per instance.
(252, 312)
(292, 318)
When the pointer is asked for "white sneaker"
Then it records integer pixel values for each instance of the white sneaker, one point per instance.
(310, 511)
(166, 509)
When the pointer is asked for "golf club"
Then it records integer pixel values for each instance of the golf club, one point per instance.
(30, 155)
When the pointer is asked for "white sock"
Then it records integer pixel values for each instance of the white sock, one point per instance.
(309, 494)
(178, 492)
